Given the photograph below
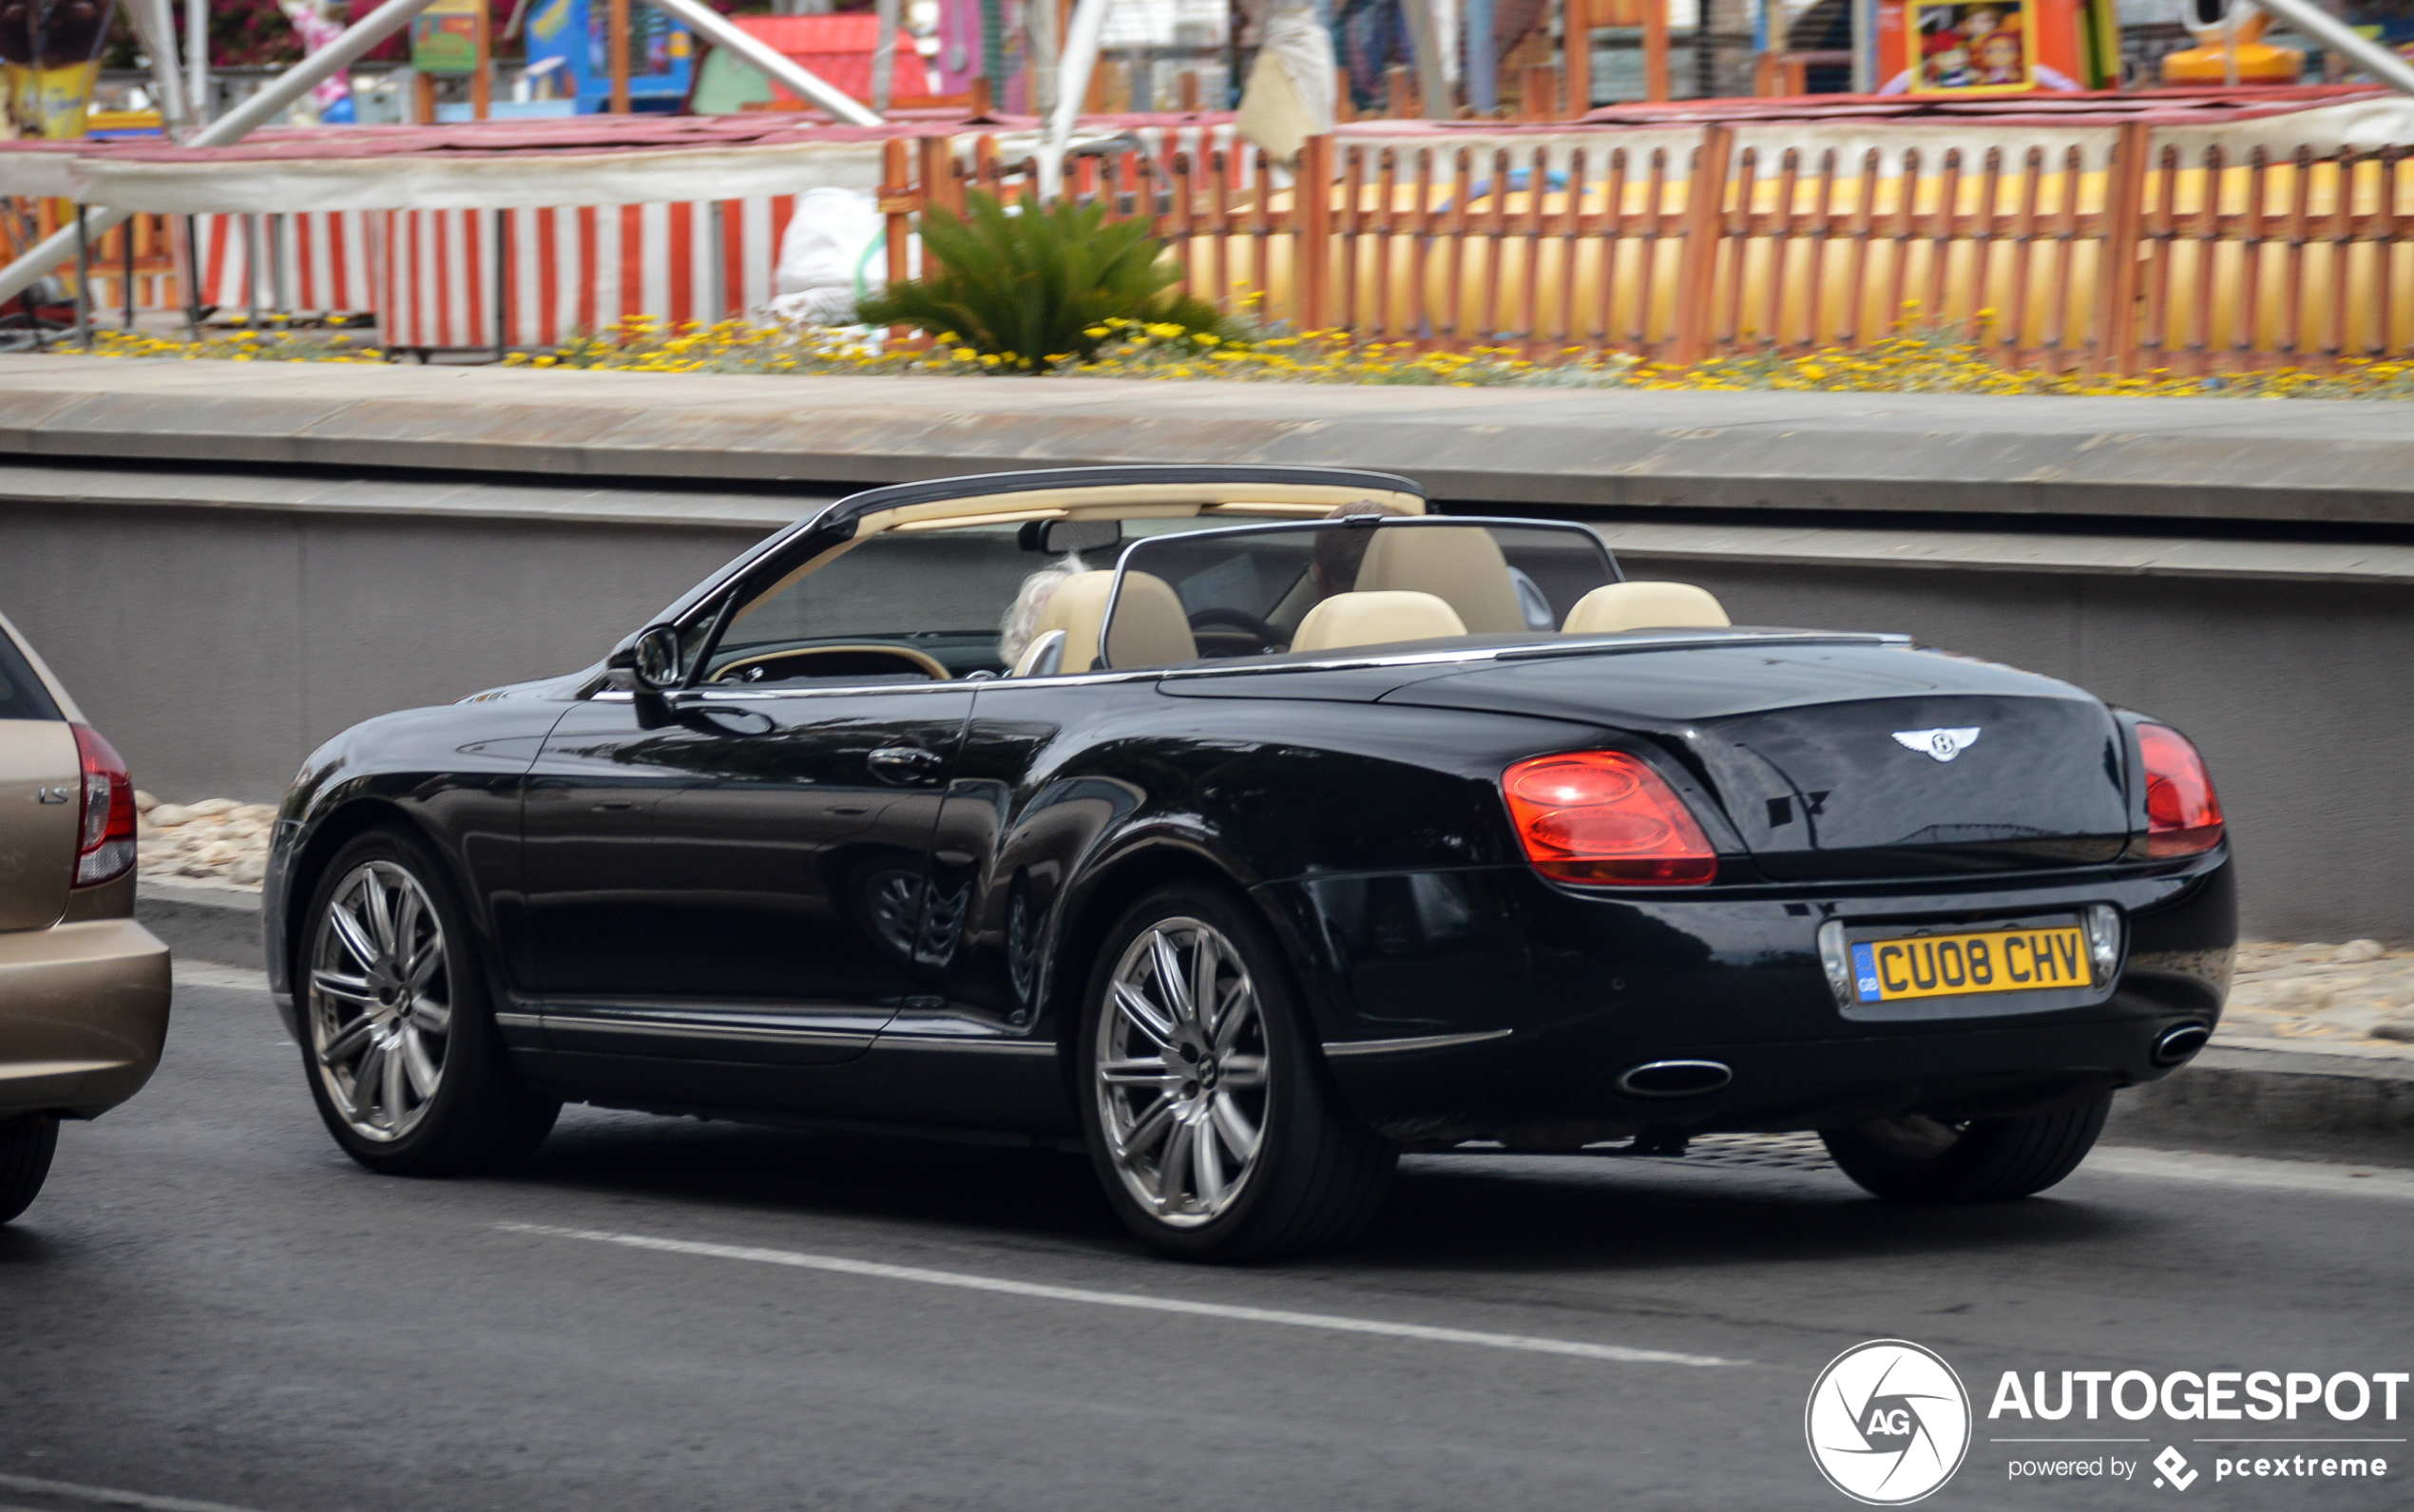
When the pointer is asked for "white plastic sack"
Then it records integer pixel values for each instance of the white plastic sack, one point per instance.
(831, 256)
(1292, 92)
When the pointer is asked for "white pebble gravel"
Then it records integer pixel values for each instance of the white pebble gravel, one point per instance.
(216, 839)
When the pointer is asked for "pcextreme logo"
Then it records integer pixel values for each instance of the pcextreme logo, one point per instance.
(1887, 1423)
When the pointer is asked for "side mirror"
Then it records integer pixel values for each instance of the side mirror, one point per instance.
(654, 658)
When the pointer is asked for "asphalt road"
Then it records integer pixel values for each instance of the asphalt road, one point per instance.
(210, 1303)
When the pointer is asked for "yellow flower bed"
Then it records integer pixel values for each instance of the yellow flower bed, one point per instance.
(1911, 361)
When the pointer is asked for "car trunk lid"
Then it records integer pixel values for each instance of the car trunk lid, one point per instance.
(41, 788)
(1851, 758)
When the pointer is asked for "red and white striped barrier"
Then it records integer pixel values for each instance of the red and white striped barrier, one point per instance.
(574, 269)
(317, 263)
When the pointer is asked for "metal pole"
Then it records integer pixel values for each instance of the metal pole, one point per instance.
(503, 280)
(83, 282)
(193, 276)
(127, 232)
(712, 24)
(239, 123)
(196, 59)
(154, 23)
(1072, 86)
(884, 54)
(1482, 62)
(1433, 80)
(1865, 46)
(616, 37)
(251, 272)
(2338, 37)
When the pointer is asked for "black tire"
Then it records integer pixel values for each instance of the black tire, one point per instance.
(1923, 1159)
(26, 1147)
(1316, 1176)
(479, 1115)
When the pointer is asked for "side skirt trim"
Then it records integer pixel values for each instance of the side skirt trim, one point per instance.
(1426, 1042)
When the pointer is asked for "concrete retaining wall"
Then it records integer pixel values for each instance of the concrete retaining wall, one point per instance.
(218, 625)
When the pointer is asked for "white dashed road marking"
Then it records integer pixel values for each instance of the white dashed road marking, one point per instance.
(104, 1496)
(1422, 1333)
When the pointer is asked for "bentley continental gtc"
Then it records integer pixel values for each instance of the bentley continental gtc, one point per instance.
(1246, 827)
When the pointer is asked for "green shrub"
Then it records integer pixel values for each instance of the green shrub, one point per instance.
(1033, 287)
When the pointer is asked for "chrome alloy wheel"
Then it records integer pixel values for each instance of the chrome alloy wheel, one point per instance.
(1182, 1072)
(380, 1000)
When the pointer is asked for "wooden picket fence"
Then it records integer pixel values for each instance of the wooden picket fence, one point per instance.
(138, 258)
(2223, 262)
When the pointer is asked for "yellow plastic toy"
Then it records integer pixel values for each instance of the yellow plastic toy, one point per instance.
(2259, 62)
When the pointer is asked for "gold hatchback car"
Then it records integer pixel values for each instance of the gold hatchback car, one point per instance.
(83, 990)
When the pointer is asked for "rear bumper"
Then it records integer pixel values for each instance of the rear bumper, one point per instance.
(83, 1016)
(1575, 990)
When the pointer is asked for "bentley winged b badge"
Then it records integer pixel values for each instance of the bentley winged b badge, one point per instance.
(1942, 744)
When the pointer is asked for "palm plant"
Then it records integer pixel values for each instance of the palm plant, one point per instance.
(1035, 286)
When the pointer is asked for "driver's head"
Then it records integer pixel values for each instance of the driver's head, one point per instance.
(1022, 619)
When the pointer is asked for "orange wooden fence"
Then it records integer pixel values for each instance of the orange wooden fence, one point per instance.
(158, 277)
(2209, 261)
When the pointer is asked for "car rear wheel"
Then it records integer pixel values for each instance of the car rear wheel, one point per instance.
(1919, 1158)
(26, 1147)
(1211, 1120)
(404, 1063)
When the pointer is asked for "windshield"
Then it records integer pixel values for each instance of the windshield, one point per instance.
(1368, 580)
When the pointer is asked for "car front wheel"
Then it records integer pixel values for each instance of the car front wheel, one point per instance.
(404, 1063)
(1213, 1125)
(1919, 1158)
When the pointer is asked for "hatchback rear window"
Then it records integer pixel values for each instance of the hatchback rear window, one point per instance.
(22, 695)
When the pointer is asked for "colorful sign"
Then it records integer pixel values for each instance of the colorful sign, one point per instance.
(1986, 48)
(444, 37)
(50, 55)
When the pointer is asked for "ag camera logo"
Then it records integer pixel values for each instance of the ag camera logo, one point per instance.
(1888, 1422)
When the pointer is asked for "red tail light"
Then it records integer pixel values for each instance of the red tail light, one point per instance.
(1604, 816)
(105, 848)
(2183, 817)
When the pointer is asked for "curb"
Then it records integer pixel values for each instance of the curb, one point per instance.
(2236, 1099)
(201, 921)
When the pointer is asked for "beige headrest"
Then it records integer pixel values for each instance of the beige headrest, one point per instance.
(1151, 630)
(1375, 618)
(1617, 606)
(1077, 607)
(1462, 566)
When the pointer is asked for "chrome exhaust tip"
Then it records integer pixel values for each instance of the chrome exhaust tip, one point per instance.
(2178, 1044)
(1674, 1078)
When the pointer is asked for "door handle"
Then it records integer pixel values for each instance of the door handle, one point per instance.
(715, 720)
(905, 764)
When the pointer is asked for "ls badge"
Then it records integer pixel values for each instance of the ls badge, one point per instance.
(1942, 744)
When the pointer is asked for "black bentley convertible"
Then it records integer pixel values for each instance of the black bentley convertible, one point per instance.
(1248, 826)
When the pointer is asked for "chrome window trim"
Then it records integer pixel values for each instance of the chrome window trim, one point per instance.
(1535, 650)
(1425, 1042)
(1374, 522)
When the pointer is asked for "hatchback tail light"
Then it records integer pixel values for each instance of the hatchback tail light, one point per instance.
(104, 847)
(2184, 816)
(1605, 816)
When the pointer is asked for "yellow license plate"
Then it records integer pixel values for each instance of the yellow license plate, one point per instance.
(1941, 965)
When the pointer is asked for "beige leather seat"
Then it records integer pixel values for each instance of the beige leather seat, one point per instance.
(1150, 628)
(1375, 618)
(1616, 606)
(1462, 566)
